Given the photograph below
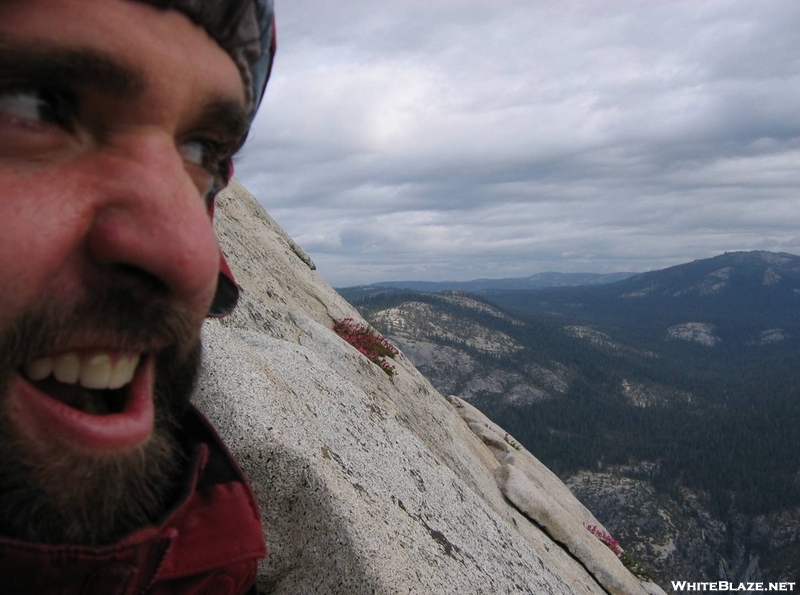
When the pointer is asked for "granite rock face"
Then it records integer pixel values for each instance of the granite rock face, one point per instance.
(370, 483)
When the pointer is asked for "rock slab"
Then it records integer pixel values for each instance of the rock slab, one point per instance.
(367, 483)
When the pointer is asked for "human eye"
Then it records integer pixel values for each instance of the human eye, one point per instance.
(37, 108)
(210, 160)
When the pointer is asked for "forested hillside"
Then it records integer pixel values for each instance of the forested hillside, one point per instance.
(691, 374)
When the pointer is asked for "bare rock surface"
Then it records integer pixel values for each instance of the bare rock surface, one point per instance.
(419, 315)
(368, 483)
(699, 332)
(541, 496)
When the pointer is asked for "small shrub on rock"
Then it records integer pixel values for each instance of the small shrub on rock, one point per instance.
(610, 542)
(368, 342)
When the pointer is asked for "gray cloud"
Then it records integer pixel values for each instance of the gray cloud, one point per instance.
(463, 139)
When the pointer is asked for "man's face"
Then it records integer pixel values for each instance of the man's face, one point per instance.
(114, 119)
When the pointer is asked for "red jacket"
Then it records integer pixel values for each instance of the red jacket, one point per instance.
(209, 543)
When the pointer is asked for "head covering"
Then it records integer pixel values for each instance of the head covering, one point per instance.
(245, 29)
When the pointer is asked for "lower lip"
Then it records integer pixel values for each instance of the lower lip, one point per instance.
(51, 420)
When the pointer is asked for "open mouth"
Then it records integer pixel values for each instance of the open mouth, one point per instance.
(99, 401)
(94, 383)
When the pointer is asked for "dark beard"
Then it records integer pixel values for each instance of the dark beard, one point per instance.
(69, 497)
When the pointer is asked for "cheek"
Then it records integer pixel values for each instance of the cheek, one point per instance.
(40, 233)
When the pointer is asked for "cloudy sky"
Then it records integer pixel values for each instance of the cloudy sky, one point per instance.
(464, 139)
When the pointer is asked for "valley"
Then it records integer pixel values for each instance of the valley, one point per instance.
(668, 401)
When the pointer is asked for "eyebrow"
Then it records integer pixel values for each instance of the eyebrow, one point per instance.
(226, 116)
(28, 65)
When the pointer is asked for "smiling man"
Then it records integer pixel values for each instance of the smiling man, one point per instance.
(118, 119)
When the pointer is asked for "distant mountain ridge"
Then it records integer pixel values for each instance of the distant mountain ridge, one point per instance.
(702, 276)
(539, 280)
(743, 297)
(719, 274)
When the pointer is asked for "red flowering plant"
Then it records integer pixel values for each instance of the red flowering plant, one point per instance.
(368, 342)
(610, 542)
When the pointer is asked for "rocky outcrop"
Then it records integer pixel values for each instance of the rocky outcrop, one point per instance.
(370, 483)
(699, 332)
(424, 318)
(677, 534)
(538, 493)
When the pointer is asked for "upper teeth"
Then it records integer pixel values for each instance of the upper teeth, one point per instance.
(94, 371)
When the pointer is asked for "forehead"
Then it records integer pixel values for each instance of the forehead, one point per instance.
(162, 49)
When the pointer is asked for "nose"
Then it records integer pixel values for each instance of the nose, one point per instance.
(150, 219)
